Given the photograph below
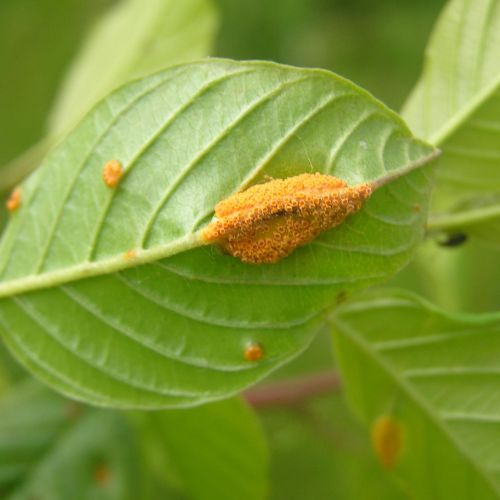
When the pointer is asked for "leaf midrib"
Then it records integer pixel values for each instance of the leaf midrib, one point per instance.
(144, 256)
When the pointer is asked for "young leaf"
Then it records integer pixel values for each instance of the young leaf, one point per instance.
(217, 450)
(425, 381)
(109, 294)
(456, 106)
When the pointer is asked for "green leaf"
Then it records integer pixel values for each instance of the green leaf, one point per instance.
(168, 326)
(217, 450)
(52, 448)
(435, 375)
(456, 106)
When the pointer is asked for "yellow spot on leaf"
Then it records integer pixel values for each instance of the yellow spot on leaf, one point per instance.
(387, 440)
(268, 221)
(253, 352)
(14, 200)
(112, 173)
(130, 255)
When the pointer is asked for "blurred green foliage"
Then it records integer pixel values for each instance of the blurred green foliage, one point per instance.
(378, 45)
(38, 39)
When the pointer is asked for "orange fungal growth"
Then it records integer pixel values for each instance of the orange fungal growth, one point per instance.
(130, 255)
(14, 200)
(253, 352)
(112, 173)
(269, 221)
(387, 440)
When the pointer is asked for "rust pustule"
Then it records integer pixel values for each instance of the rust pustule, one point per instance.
(130, 255)
(112, 173)
(387, 440)
(253, 352)
(267, 222)
(14, 200)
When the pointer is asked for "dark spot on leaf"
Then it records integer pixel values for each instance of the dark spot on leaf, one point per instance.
(452, 239)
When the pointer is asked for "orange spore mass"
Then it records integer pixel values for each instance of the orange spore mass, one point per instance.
(14, 200)
(268, 221)
(253, 352)
(387, 440)
(112, 173)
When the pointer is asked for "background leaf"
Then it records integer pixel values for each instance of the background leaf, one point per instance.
(317, 449)
(456, 106)
(217, 451)
(53, 448)
(37, 38)
(171, 332)
(435, 374)
(133, 39)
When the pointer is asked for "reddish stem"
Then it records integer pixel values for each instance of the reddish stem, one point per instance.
(293, 391)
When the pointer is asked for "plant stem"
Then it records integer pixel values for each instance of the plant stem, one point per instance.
(293, 391)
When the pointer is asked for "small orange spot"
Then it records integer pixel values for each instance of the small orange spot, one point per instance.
(269, 221)
(253, 352)
(130, 255)
(14, 200)
(112, 173)
(102, 474)
(417, 208)
(387, 440)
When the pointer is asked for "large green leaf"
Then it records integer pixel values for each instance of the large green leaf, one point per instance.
(456, 106)
(51, 448)
(436, 376)
(134, 38)
(217, 451)
(168, 327)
